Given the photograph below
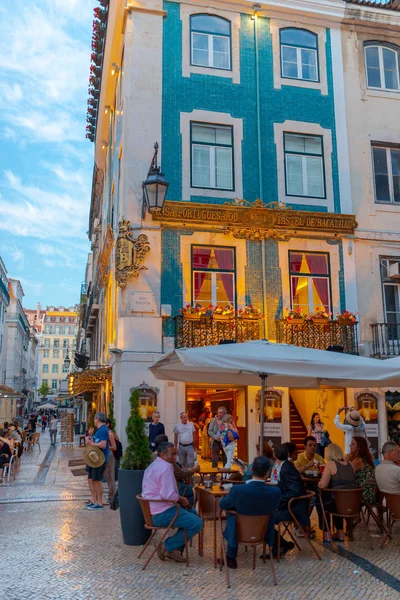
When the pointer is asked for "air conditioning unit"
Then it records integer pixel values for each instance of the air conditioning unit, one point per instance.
(394, 271)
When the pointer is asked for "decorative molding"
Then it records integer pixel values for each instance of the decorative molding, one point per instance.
(130, 253)
(257, 234)
(149, 11)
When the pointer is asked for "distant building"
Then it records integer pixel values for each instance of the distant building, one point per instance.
(4, 304)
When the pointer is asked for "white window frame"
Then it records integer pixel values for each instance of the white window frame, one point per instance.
(380, 48)
(389, 172)
(212, 153)
(304, 171)
(214, 274)
(210, 51)
(299, 63)
(54, 384)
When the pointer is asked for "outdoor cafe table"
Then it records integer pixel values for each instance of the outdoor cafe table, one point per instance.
(216, 494)
(213, 472)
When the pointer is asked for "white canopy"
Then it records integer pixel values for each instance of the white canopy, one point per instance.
(46, 406)
(289, 366)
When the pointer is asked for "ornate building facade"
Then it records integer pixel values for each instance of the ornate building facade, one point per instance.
(253, 107)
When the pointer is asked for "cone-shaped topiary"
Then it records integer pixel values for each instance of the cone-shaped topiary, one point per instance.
(137, 455)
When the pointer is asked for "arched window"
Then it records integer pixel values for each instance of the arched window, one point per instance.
(382, 66)
(210, 42)
(299, 54)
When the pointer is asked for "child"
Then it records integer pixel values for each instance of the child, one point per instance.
(229, 435)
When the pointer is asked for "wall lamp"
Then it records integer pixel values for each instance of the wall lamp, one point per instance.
(114, 68)
(104, 145)
(256, 9)
(155, 187)
(107, 109)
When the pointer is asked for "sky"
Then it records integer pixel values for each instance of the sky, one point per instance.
(46, 163)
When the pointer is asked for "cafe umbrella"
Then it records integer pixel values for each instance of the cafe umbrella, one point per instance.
(252, 363)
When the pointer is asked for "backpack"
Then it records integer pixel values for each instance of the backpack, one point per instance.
(118, 452)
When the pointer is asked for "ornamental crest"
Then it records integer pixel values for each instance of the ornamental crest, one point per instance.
(130, 253)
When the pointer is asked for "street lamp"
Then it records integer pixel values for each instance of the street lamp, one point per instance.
(67, 361)
(155, 187)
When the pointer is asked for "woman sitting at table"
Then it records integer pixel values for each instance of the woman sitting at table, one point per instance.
(338, 474)
(362, 462)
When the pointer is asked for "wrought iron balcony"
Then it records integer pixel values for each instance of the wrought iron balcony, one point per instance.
(385, 340)
(310, 334)
(207, 331)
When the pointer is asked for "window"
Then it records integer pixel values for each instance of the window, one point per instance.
(66, 329)
(46, 353)
(304, 166)
(54, 369)
(391, 291)
(57, 330)
(65, 343)
(210, 42)
(45, 382)
(309, 281)
(65, 352)
(213, 276)
(56, 353)
(47, 342)
(299, 54)
(56, 343)
(45, 368)
(57, 319)
(54, 384)
(65, 369)
(212, 156)
(382, 66)
(386, 162)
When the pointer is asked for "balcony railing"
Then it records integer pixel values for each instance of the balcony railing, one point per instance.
(309, 334)
(385, 340)
(210, 332)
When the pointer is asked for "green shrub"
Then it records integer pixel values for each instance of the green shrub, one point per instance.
(137, 455)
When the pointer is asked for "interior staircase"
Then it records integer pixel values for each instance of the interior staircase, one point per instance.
(298, 430)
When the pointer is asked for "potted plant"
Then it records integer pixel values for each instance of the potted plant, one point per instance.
(249, 313)
(137, 458)
(320, 316)
(192, 312)
(294, 316)
(223, 313)
(346, 318)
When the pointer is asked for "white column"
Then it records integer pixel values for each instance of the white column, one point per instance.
(383, 435)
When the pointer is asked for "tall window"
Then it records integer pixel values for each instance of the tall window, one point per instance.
(45, 382)
(65, 369)
(46, 353)
(65, 343)
(212, 156)
(56, 343)
(65, 352)
(46, 342)
(56, 353)
(54, 369)
(54, 384)
(210, 42)
(391, 290)
(45, 368)
(213, 275)
(299, 54)
(382, 66)
(386, 173)
(304, 165)
(309, 281)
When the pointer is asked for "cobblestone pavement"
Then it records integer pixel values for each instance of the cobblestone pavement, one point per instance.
(57, 550)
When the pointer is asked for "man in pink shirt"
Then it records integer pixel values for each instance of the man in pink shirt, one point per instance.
(159, 483)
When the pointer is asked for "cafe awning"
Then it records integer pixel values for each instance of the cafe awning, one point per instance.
(7, 392)
(88, 380)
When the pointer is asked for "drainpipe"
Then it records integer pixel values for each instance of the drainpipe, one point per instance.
(257, 9)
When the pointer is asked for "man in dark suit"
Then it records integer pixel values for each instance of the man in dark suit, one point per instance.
(253, 498)
(291, 485)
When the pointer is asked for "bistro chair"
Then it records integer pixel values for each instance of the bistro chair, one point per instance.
(285, 526)
(208, 509)
(251, 530)
(393, 507)
(9, 468)
(348, 504)
(148, 524)
(377, 511)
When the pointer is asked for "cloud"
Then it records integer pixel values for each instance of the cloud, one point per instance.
(14, 252)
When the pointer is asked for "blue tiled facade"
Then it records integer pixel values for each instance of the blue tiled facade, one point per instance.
(220, 94)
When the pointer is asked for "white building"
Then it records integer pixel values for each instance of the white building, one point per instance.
(4, 304)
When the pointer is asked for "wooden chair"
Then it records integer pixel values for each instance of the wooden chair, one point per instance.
(393, 507)
(148, 523)
(377, 512)
(285, 526)
(9, 468)
(251, 530)
(348, 505)
(208, 510)
(35, 440)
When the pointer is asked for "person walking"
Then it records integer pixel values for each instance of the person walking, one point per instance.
(44, 422)
(214, 433)
(229, 434)
(53, 430)
(183, 441)
(95, 474)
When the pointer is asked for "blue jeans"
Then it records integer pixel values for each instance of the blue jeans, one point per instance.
(187, 520)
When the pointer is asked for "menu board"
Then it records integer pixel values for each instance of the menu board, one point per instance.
(67, 428)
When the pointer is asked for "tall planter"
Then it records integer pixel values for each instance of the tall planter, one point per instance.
(132, 521)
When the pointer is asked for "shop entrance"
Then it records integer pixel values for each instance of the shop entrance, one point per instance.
(201, 405)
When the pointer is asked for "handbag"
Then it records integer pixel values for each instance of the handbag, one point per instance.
(325, 439)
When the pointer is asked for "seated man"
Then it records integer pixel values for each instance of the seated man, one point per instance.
(291, 486)
(254, 498)
(387, 474)
(159, 483)
(183, 476)
(309, 460)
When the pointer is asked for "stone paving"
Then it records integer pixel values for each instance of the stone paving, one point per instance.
(58, 550)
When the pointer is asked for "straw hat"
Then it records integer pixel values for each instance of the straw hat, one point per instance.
(354, 418)
(93, 456)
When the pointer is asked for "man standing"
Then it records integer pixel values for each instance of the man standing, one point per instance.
(155, 428)
(213, 432)
(183, 441)
(95, 474)
(53, 430)
(309, 460)
(353, 425)
(159, 483)
(387, 474)
(254, 498)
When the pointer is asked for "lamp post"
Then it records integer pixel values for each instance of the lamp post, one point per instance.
(155, 187)
(67, 361)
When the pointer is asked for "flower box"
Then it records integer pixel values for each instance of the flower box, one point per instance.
(223, 317)
(295, 321)
(319, 320)
(345, 322)
(192, 316)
